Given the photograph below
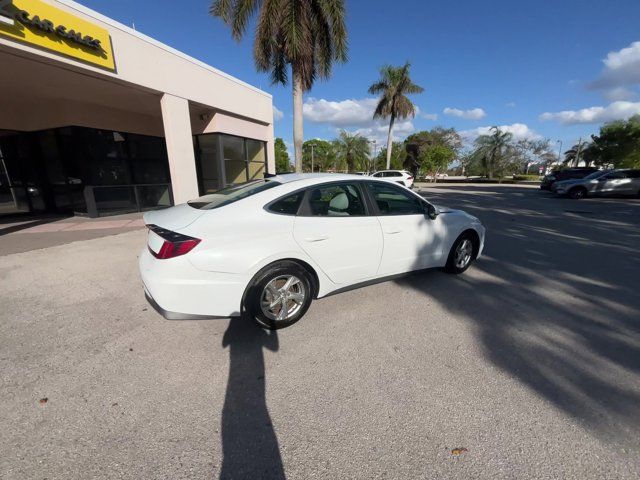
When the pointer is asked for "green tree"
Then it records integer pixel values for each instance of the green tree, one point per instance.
(307, 36)
(283, 164)
(324, 155)
(394, 85)
(447, 137)
(493, 152)
(436, 159)
(353, 148)
(398, 156)
(437, 148)
(618, 144)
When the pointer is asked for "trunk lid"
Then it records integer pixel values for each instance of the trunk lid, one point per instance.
(173, 218)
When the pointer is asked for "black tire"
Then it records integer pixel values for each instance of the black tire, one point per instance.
(257, 289)
(451, 266)
(578, 193)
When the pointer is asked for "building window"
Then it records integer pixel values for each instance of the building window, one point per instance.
(244, 160)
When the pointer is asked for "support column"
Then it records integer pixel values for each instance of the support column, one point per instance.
(271, 152)
(182, 160)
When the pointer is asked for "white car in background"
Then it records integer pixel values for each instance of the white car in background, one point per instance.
(265, 249)
(401, 177)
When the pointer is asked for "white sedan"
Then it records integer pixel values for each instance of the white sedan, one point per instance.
(265, 249)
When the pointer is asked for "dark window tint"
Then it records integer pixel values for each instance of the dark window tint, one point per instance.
(338, 200)
(615, 175)
(394, 174)
(394, 201)
(287, 205)
(633, 173)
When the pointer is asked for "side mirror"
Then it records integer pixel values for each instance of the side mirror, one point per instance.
(431, 211)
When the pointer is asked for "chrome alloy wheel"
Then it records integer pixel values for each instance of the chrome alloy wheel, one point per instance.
(463, 253)
(282, 297)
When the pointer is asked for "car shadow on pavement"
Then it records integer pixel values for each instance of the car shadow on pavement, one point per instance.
(249, 443)
(554, 302)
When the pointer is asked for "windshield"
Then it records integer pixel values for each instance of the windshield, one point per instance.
(232, 194)
(597, 174)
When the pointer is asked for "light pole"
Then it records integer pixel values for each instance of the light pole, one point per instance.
(577, 160)
(559, 151)
(373, 159)
(312, 145)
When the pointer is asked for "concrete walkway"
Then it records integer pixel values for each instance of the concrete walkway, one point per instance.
(32, 233)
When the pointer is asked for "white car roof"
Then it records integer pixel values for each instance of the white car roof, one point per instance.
(312, 178)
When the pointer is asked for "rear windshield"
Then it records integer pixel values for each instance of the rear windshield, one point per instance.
(232, 194)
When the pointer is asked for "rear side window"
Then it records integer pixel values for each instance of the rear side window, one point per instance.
(335, 200)
(633, 174)
(287, 205)
(232, 194)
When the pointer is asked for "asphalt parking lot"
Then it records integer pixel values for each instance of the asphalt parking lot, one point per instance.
(526, 366)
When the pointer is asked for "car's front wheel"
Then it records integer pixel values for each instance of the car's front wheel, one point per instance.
(577, 193)
(279, 295)
(462, 253)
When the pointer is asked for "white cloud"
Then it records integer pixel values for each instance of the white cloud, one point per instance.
(345, 113)
(379, 132)
(613, 111)
(473, 114)
(277, 114)
(520, 131)
(621, 69)
(429, 116)
(356, 115)
(619, 93)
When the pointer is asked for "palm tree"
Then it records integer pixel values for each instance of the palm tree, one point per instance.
(353, 147)
(492, 149)
(307, 35)
(394, 85)
(572, 156)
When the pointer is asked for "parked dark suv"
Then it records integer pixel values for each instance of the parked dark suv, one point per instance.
(566, 174)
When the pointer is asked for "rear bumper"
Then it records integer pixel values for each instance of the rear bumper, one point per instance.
(178, 290)
(174, 315)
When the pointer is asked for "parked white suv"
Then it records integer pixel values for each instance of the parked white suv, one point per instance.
(396, 176)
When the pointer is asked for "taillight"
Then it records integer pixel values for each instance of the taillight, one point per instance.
(174, 245)
(409, 178)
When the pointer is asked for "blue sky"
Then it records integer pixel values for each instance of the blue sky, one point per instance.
(551, 69)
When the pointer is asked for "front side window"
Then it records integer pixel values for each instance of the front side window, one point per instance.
(615, 175)
(393, 200)
(338, 200)
(232, 194)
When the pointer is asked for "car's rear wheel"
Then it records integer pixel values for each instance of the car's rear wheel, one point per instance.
(462, 254)
(279, 295)
(578, 193)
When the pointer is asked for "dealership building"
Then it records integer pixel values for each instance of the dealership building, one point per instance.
(96, 118)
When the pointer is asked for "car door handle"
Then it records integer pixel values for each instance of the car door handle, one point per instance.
(392, 232)
(317, 238)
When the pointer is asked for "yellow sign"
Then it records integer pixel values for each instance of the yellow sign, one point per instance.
(40, 24)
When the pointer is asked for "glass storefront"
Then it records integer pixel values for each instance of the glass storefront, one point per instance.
(101, 172)
(244, 159)
(83, 171)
